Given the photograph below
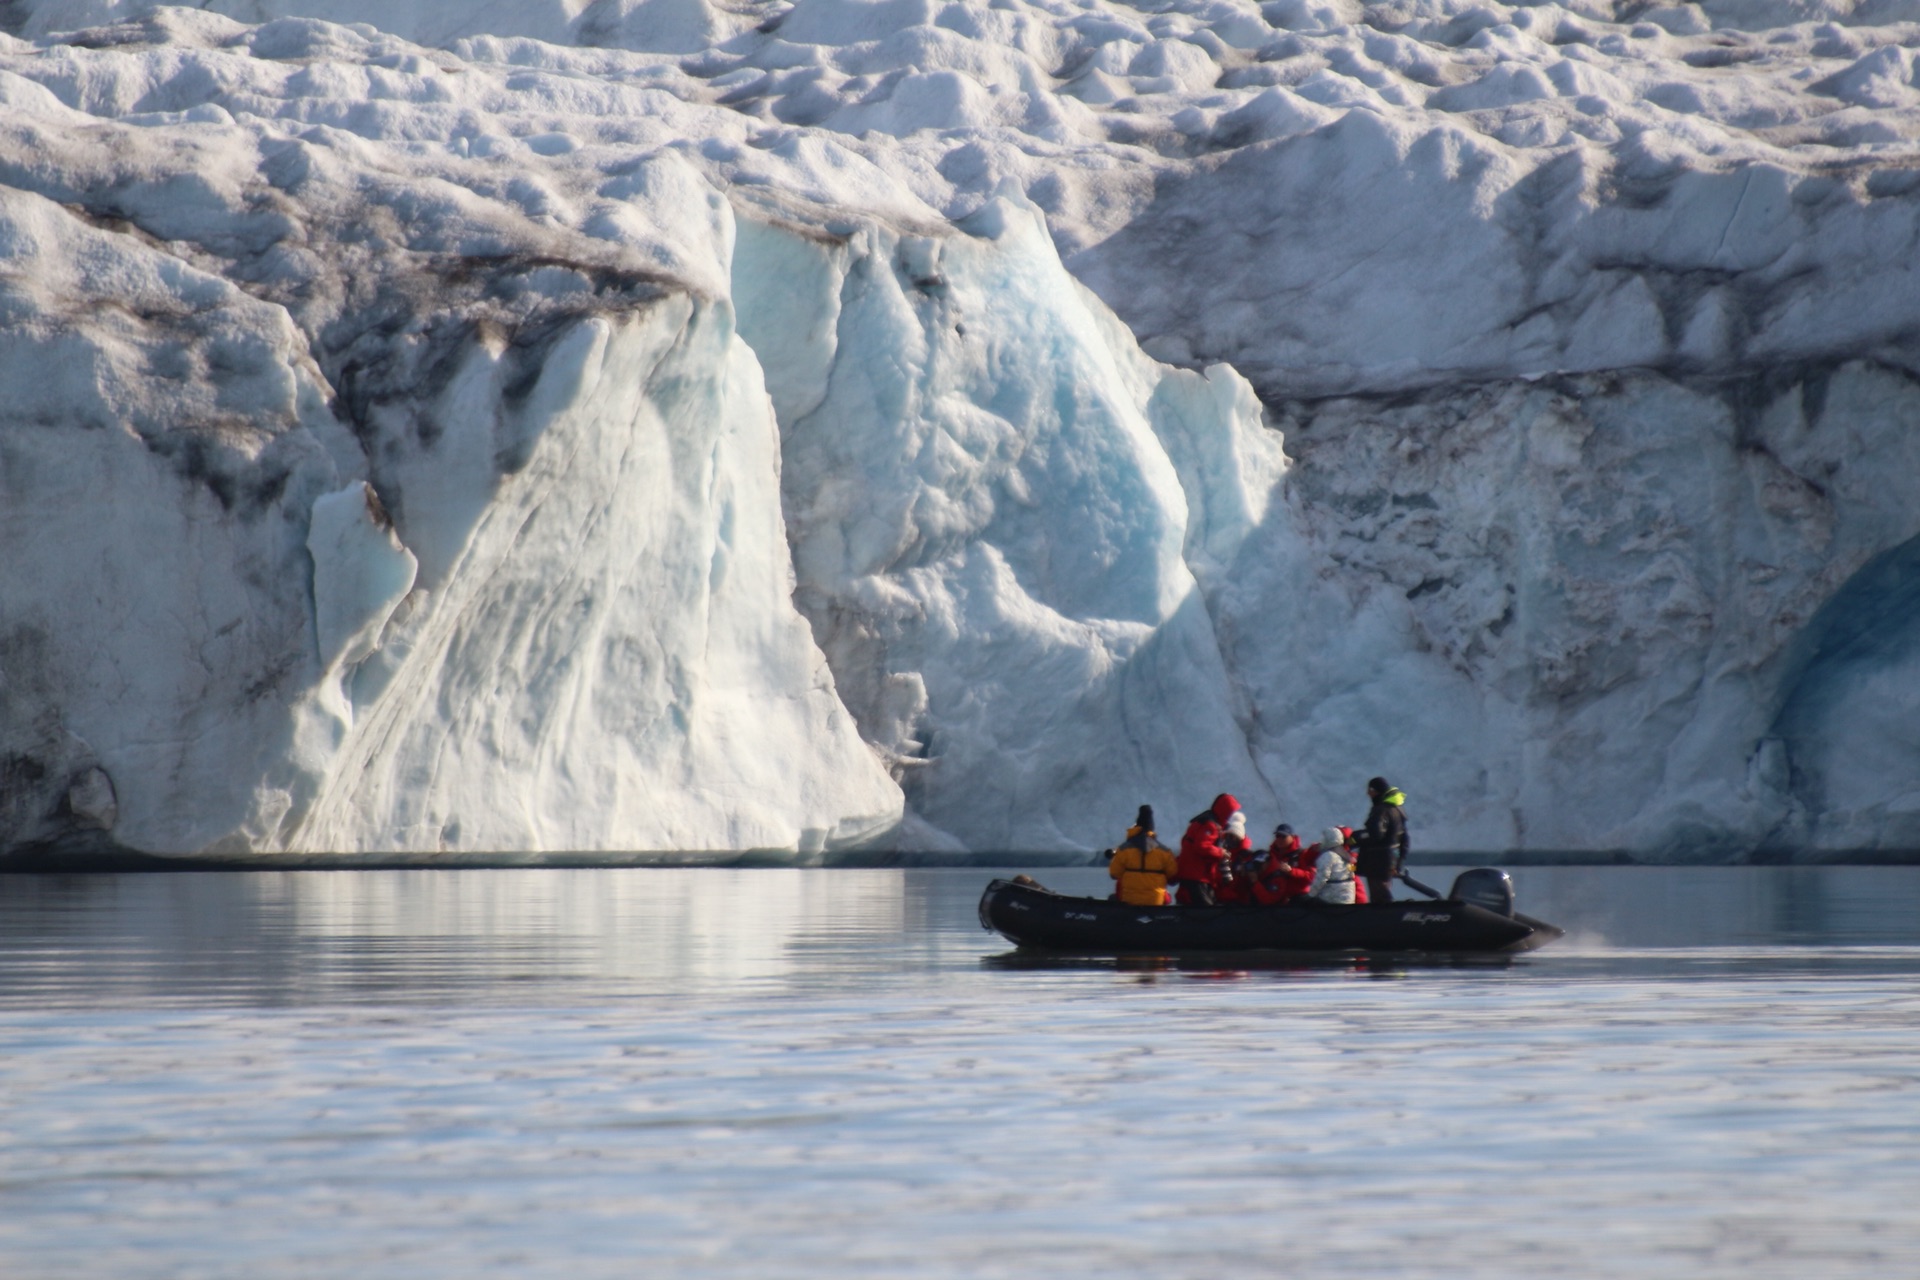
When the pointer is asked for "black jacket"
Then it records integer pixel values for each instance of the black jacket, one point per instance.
(1382, 841)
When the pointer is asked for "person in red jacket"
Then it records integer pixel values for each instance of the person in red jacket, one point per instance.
(1201, 857)
(1285, 847)
(1236, 876)
(1281, 877)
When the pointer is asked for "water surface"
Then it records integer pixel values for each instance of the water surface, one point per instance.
(837, 1073)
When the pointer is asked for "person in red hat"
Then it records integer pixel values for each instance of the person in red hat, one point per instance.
(1201, 858)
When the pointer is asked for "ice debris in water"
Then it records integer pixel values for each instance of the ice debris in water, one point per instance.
(944, 426)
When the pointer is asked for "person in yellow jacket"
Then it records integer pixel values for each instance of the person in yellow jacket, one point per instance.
(1141, 865)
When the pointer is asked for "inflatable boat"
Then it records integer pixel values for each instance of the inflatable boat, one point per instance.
(1477, 915)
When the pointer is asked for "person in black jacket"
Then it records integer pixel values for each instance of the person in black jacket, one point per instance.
(1382, 840)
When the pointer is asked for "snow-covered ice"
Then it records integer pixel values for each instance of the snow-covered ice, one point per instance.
(668, 426)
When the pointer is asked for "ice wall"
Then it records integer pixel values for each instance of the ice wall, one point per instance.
(219, 637)
(1005, 522)
(1588, 329)
(164, 436)
(612, 660)
(1603, 607)
(531, 532)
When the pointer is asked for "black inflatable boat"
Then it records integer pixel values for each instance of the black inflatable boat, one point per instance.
(1477, 915)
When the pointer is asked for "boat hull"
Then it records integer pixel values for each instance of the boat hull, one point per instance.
(1038, 919)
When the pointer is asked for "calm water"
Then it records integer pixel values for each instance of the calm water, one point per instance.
(836, 1073)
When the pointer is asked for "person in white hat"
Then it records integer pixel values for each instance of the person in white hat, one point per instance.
(1332, 873)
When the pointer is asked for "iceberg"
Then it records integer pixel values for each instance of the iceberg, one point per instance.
(923, 428)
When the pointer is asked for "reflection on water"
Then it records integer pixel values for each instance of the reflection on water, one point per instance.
(496, 936)
(565, 936)
(1729, 906)
(609, 1073)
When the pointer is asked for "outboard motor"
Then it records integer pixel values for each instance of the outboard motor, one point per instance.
(1487, 887)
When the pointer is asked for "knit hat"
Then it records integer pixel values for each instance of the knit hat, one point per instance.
(1144, 818)
(1237, 824)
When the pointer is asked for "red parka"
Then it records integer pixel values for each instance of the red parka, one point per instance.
(1236, 874)
(1280, 880)
(1236, 877)
(1202, 860)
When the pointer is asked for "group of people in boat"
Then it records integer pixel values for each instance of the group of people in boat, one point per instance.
(1217, 863)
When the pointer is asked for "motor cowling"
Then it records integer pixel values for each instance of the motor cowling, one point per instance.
(1487, 887)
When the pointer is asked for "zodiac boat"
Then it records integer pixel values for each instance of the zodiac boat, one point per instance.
(1477, 915)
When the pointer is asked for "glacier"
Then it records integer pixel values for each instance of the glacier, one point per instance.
(854, 428)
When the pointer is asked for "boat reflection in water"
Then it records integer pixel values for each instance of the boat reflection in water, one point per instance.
(1238, 965)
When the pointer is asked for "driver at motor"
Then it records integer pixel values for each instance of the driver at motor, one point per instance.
(1382, 839)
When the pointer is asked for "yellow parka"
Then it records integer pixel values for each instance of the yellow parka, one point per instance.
(1143, 867)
